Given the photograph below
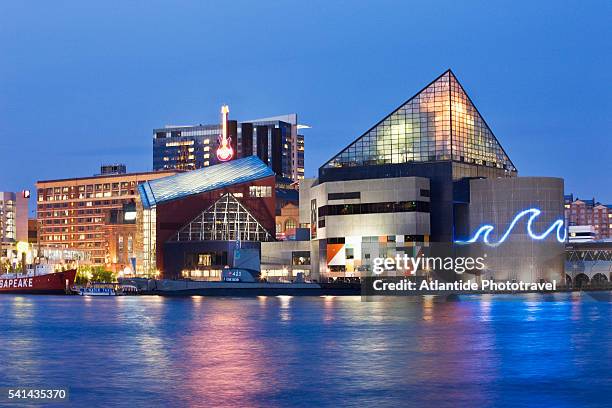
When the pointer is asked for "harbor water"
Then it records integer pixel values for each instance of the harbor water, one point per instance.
(534, 350)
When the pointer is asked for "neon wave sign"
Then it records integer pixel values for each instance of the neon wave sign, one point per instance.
(532, 213)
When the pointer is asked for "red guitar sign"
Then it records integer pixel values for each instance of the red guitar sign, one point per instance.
(225, 152)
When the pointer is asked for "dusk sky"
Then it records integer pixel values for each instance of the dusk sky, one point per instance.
(84, 83)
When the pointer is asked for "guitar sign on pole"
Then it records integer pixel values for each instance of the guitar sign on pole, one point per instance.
(225, 152)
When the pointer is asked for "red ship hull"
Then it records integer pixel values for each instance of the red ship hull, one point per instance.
(51, 283)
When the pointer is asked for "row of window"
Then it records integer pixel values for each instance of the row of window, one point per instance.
(81, 196)
(88, 188)
(374, 208)
(377, 239)
(260, 191)
(81, 204)
(344, 196)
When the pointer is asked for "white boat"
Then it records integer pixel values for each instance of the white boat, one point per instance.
(93, 291)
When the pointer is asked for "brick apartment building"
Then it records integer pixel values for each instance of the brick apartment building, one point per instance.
(589, 212)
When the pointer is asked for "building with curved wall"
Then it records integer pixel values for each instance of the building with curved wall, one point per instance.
(427, 175)
(527, 234)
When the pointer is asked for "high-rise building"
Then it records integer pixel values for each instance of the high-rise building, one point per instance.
(275, 140)
(581, 212)
(13, 219)
(72, 213)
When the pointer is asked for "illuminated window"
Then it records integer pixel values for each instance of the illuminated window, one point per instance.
(260, 191)
(290, 224)
(239, 224)
(174, 144)
(420, 131)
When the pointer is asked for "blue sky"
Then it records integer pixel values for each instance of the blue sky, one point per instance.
(83, 83)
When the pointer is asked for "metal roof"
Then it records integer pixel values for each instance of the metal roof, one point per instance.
(205, 179)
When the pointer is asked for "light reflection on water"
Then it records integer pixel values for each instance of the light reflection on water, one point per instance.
(534, 350)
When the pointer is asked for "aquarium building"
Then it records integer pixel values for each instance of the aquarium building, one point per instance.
(190, 224)
(412, 181)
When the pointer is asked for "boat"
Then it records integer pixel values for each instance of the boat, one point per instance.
(97, 291)
(38, 280)
(127, 290)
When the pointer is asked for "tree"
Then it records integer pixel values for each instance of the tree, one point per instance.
(89, 273)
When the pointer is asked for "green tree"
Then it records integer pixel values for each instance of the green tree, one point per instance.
(89, 273)
(102, 275)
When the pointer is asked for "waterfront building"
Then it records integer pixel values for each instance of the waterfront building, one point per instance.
(410, 182)
(14, 216)
(523, 252)
(588, 263)
(582, 212)
(13, 220)
(285, 260)
(190, 224)
(72, 212)
(580, 233)
(354, 221)
(275, 140)
(120, 238)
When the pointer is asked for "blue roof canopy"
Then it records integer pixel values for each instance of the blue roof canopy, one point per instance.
(222, 175)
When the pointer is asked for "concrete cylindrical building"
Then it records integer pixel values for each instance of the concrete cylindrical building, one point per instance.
(526, 251)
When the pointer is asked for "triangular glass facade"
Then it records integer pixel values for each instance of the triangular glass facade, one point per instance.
(225, 220)
(439, 123)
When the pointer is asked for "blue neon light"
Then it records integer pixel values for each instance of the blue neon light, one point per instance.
(485, 230)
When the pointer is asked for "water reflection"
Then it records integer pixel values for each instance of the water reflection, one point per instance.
(320, 351)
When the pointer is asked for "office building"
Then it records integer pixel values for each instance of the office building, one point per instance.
(582, 212)
(115, 168)
(275, 140)
(72, 212)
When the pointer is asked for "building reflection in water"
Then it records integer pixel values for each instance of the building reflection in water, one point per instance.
(225, 358)
(269, 351)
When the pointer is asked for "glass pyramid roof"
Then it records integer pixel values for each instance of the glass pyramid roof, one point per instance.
(438, 123)
(226, 220)
(201, 180)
